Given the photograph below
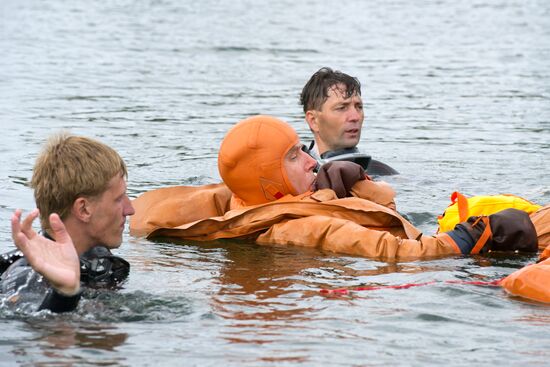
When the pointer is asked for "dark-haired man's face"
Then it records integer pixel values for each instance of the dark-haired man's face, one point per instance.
(338, 124)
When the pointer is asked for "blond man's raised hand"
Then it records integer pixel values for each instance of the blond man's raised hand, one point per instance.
(56, 260)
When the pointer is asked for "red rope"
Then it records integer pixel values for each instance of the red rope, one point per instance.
(345, 291)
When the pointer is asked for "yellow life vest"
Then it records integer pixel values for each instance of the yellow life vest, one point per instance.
(461, 208)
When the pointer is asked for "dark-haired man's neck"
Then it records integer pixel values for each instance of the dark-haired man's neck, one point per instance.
(324, 151)
(334, 153)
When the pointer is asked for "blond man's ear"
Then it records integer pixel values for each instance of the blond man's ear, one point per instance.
(81, 209)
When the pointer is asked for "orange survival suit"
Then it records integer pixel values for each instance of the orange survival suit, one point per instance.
(258, 202)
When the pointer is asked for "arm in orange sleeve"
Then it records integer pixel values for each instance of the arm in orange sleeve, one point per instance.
(347, 237)
(170, 207)
(541, 221)
(379, 192)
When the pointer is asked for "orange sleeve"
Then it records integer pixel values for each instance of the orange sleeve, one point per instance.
(377, 191)
(541, 221)
(347, 237)
(173, 206)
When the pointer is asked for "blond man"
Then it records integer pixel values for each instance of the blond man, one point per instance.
(80, 193)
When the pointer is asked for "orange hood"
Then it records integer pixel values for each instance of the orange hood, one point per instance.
(251, 159)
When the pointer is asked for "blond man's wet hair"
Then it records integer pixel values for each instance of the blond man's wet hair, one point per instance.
(70, 167)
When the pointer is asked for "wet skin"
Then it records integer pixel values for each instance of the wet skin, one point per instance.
(299, 169)
(338, 124)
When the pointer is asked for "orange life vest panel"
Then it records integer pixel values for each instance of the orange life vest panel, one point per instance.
(531, 282)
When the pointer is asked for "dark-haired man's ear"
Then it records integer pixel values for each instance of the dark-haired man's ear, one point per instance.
(311, 119)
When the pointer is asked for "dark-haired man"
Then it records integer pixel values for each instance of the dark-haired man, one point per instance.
(334, 112)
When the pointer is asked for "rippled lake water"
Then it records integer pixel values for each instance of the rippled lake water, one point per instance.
(457, 97)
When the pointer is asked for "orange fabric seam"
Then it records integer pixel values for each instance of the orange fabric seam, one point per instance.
(450, 240)
(484, 236)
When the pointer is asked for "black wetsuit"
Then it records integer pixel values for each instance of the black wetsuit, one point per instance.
(21, 285)
(373, 167)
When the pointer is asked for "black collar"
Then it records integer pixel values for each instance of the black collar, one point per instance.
(334, 153)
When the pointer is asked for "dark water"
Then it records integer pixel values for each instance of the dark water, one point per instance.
(457, 98)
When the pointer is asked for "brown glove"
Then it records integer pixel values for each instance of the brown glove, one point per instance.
(339, 176)
(509, 230)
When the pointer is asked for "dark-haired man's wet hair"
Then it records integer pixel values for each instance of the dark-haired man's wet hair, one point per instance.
(315, 92)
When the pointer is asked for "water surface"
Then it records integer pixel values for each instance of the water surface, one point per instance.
(457, 97)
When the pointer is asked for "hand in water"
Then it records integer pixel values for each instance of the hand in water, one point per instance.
(57, 261)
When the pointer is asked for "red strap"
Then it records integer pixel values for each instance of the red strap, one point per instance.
(345, 291)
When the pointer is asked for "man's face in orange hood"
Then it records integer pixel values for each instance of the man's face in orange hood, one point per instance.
(299, 169)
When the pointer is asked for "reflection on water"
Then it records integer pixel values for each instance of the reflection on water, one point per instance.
(67, 343)
(456, 98)
(63, 335)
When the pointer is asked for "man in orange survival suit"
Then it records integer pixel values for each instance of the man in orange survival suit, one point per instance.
(272, 196)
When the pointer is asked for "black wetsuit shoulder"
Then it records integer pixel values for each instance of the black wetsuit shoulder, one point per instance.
(22, 286)
(377, 168)
(19, 283)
